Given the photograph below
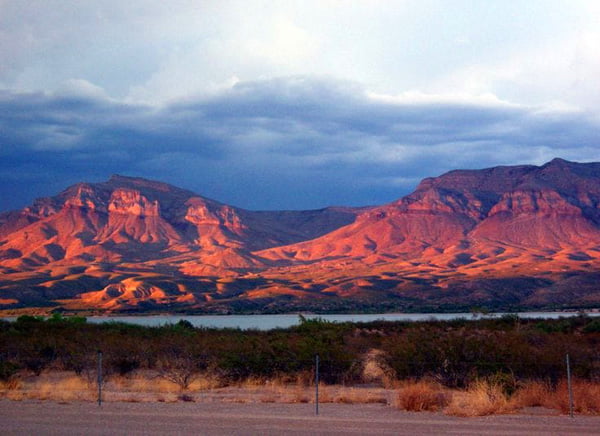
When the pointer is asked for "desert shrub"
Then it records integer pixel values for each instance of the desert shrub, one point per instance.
(28, 319)
(505, 381)
(586, 397)
(180, 359)
(481, 398)
(454, 353)
(125, 365)
(561, 326)
(38, 357)
(422, 395)
(531, 394)
(592, 327)
(184, 324)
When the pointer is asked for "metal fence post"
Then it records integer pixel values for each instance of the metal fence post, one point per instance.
(569, 386)
(99, 378)
(317, 384)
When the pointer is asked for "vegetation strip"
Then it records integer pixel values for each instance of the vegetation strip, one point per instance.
(432, 365)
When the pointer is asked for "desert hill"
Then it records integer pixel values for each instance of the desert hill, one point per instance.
(132, 219)
(503, 237)
(553, 207)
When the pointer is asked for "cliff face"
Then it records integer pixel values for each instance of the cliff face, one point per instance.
(131, 219)
(529, 208)
(136, 243)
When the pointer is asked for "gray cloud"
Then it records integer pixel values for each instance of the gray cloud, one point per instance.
(273, 144)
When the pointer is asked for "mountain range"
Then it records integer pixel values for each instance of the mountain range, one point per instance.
(502, 238)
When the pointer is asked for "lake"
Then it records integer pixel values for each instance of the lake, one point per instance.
(269, 322)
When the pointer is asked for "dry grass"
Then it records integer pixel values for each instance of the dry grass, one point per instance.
(10, 385)
(206, 382)
(375, 369)
(359, 396)
(484, 397)
(48, 387)
(142, 384)
(586, 396)
(422, 395)
(301, 393)
(531, 394)
(481, 398)
(151, 383)
(298, 393)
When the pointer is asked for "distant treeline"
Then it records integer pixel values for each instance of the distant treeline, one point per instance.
(453, 352)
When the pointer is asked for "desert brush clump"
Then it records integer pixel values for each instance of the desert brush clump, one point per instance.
(482, 397)
(490, 365)
(533, 393)
(422, 395)
(55, 387)
(586, 397)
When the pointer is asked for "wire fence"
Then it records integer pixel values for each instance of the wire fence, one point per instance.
(453, 354)
(372, 369)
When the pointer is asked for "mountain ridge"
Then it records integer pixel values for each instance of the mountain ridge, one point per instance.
(497, 236)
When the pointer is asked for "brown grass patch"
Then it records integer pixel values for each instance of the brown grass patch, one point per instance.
(142, 384)
(586, 396)
(67, 388)
(360, 396)
(301, 394)
(206, 382)
(481, 398)
(10, 385)
(422, 396)
(531, 394)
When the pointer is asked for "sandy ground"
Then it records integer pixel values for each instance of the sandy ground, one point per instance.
(85, 418)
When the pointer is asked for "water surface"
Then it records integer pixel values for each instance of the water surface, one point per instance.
(269, 322)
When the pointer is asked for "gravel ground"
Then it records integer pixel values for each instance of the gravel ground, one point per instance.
(83, 418)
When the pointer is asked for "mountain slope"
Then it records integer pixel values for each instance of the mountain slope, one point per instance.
(501, 237)
(132, 219)
(555, 206)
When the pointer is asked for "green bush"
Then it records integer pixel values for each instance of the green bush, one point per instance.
(454, 353)
(592, 326)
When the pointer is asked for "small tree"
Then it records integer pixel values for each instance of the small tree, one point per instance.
(181, 361)
(181, 370)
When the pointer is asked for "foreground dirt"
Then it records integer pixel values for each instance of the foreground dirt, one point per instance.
(79, 418)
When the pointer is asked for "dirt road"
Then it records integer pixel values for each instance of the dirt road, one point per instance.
(80, 418)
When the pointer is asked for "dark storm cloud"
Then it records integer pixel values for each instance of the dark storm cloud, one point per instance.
(284, 143)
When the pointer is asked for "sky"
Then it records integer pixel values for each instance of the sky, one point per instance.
(291, 104)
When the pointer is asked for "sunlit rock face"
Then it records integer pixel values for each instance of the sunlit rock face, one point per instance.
(534, 207)
(132, 202)
(520, 234)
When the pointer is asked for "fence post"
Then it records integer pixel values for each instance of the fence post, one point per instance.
(569, 386)
(317, 384)
(99, 378)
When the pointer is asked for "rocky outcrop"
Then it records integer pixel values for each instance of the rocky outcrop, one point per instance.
(518, 235)
(132, 219)
(548, 207)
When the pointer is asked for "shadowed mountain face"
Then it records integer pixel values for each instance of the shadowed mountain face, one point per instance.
(503, 237)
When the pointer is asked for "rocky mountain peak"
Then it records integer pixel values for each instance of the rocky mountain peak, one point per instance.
(131, 242)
